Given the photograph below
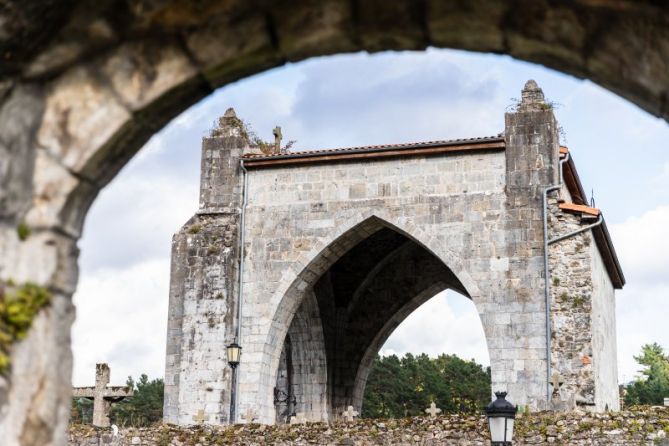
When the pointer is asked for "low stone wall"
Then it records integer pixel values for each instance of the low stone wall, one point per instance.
(647, 426)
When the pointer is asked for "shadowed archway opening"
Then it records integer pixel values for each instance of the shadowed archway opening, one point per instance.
(438, 353)
(352, 307)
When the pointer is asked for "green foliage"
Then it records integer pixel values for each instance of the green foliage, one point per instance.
(195, 229)
(82, 411)
(18, 308)
(406, 387)
(145, 407)
(23, 231)
(653, 384)
(578, 301)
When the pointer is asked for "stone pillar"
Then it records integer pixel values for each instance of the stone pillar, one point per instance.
(220, 176)
(203, 285)
(532, 150)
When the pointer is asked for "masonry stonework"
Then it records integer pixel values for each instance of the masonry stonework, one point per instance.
(341, 245)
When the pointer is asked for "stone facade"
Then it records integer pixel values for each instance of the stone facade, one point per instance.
(582, 315)
(338, 251)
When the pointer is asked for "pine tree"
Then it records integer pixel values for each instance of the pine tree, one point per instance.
(144, 407)
(653, 384)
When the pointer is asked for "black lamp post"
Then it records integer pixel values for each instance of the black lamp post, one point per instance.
(233, 352)
(501, 416)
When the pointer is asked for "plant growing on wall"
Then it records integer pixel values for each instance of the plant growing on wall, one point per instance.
(18, 308)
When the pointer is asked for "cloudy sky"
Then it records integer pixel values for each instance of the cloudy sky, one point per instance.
(621, 153)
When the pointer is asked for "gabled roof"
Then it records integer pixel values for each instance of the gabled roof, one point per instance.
(374, 152)
(600, 232)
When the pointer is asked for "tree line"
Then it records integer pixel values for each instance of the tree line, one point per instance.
(401, 387)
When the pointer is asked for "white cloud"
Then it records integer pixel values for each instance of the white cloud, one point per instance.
(447, 323)
(121, 320)
(134, 219)
(642, 245)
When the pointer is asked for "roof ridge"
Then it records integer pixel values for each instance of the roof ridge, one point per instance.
(378, 147)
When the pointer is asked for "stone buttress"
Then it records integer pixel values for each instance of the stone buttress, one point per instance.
(203, 285)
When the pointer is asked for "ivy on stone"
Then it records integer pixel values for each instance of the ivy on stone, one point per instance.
(18, 308)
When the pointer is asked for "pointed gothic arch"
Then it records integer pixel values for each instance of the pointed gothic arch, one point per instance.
(395, 281)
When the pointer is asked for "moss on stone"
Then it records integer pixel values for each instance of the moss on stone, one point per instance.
(194, 229)
(23, 231)
(18, 308)
(578, 301)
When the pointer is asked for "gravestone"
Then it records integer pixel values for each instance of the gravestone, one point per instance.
(349, 414)
(298, 418)
(556, 382)
(200, 417)
(250, 416)
(102, 395)
(433, 410)
(666, 401)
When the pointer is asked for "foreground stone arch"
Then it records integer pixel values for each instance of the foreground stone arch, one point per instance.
(83, 87)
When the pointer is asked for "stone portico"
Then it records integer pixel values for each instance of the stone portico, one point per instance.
(335, 248)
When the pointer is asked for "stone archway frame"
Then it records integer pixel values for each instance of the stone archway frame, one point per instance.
(305, 271)
(174, 53)
(80, 119)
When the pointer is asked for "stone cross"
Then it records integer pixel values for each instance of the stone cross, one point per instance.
(102, 395)
(349, 414)
(433, 410)
(556, 382)
(277, 139)
(250, 415)
(200, 417)
(299, 418)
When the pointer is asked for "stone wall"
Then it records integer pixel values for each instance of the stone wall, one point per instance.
(583, 335)
(455, 206)
(571, 305)
(604, 336)
(647, 426)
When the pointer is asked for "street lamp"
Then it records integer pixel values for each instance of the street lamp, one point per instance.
(501, 415)
(233, 352)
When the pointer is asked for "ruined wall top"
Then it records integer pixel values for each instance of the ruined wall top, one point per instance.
(532, 98)
(230, 125)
